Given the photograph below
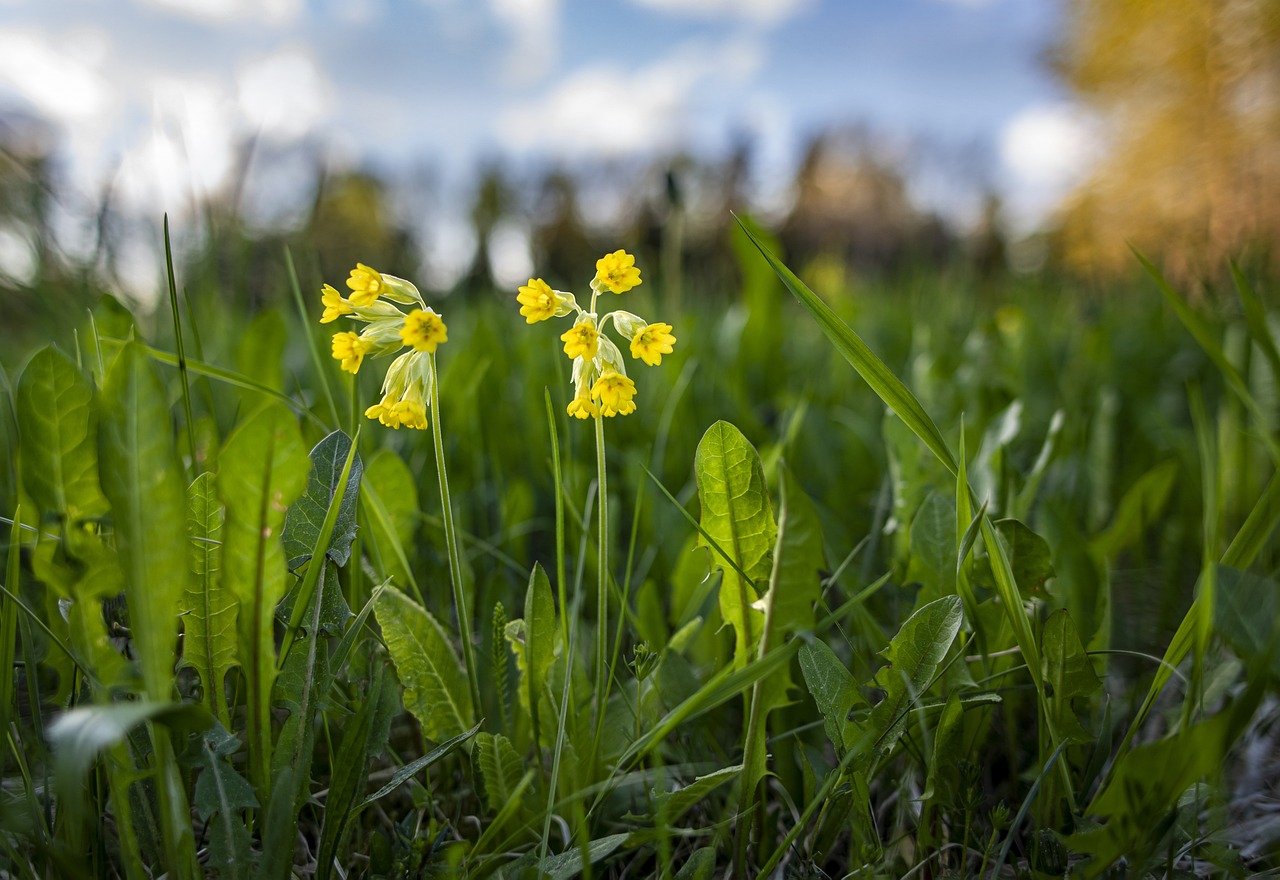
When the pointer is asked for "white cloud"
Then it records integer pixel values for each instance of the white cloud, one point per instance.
(765, 12)
(61, 79)
(280, 12)
(607, 111)
(1045, 151)
(534, 26)
(284, 95)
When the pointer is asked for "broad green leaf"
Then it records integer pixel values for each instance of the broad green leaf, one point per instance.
(263, 469)
(435, 685)
(533, 639)
(306, 515)
(500, 769)
(1029, 559)
(883, 382)
(260, 349)
(207, 607)
(1068, 671)
(675, 804)
(58, 428)
(933, 544)
(142, 479)
(913, 657)
(833, 689)
(701, 865)
(736, 515)
(388, 478)
(946, 745)
(220, 798)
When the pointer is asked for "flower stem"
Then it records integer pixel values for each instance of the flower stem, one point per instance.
(602, 580)
(451, 544)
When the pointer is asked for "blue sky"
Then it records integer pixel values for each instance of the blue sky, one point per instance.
(154, 96)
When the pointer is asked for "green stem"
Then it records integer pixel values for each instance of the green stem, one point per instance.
(602, 581)
(451, 543)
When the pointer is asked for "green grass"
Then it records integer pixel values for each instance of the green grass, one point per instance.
(915, 578)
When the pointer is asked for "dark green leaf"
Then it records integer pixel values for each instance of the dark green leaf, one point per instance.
(306, 515)
(208, 609)
(221, 796)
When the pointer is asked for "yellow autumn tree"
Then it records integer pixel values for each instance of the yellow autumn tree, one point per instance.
(1187, 93)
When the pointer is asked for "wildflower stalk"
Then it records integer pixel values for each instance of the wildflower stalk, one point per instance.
(602, 584)
(451, 544)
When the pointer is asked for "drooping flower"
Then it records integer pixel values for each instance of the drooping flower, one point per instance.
(366, 285)
(538, 301)
(617, 271)
(335, 305)
(614, 391)
(410, 380)
(582, 340)
(651, 343)
(349, 348)
(423, 330)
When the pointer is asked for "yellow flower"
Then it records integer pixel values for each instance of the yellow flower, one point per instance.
(617, 271)
(614, 391)
(583, 408)
(651, 343)
(334, 304)
(350, 349)
(582, 340)
(538, 301)
(423, 330)
(366, 285)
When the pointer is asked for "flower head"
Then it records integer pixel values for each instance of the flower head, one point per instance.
(617, 271)
(349, 348)
(614, 391)
(651, 343)
(366, 285)
(423, 330)
(538, 301)
(335, 306)
(582, 340)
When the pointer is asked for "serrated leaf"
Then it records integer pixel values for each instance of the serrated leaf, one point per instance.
(913, 657)
(306, 515)
(1068, 671)
(569, 864)
(500, 768)
(142, 480)
(221, 796)
(435, 685)
(736, 515)
(57, 424)
(208, 609)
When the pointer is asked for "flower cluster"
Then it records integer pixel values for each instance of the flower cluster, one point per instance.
(600, 382)
(406, 390)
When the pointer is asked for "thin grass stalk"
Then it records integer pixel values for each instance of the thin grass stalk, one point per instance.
(309, 330)
(451, 542)
(557, 481)
(9, 623)
(177, 341)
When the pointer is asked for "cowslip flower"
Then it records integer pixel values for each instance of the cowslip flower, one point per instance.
(600, 381)
(409, 381)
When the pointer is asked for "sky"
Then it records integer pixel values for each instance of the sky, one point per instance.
(154, 97)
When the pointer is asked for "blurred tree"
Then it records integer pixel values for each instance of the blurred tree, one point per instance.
(561, 251)
(1188, 94)
(494, 200)
(353, 222)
